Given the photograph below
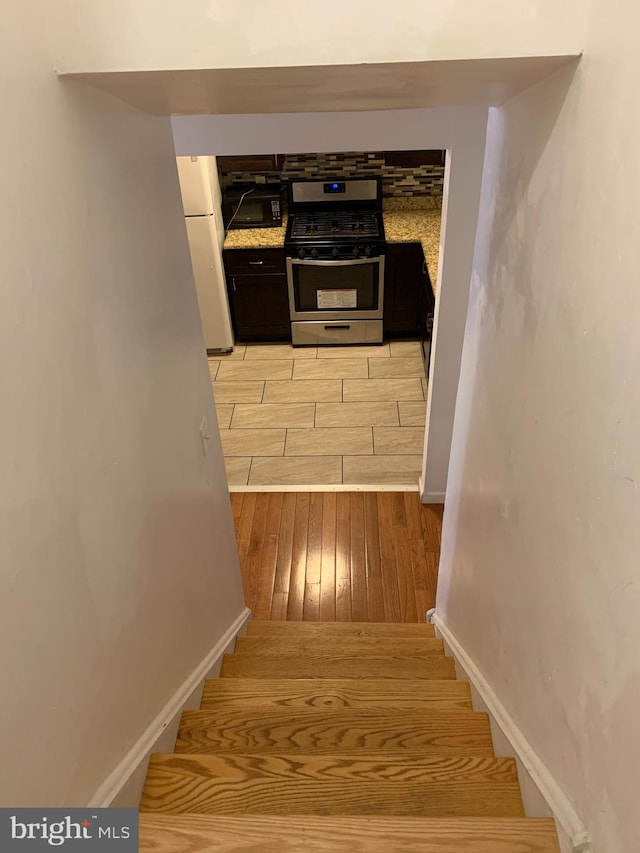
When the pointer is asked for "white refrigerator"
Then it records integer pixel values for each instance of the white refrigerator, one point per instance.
(202, 202)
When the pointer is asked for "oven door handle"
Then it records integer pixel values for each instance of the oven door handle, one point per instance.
(348, 263)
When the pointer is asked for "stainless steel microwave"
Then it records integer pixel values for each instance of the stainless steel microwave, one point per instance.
(252, 206)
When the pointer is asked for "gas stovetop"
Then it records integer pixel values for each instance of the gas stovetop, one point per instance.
(327, 224)
(336, 234)
(335, 219)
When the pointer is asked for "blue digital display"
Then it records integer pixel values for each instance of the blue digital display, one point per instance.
(335, 187)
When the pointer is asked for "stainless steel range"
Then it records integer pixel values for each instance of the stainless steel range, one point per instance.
(335, 261)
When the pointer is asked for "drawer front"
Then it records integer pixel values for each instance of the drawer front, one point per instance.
(254, 261)
(338, 332)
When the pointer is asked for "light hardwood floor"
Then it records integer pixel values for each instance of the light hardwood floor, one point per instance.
(346, 556)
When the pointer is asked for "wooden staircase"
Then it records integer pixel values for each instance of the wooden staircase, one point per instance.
(337, 738)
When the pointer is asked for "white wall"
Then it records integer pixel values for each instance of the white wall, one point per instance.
(121, 35)
(332, 131)
(540, 576)
(118, 569)
(462, 132)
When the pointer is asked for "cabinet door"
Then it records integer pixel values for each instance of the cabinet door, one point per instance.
(414, 159)
(260, 306)
(249, 163)
(404, 298)
(427, 311)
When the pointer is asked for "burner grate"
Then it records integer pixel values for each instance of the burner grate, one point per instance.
(335, 224)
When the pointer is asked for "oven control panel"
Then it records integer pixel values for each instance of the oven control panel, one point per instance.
(335, 187)
(355, 189)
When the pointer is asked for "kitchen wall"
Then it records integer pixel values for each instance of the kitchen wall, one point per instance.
(539, 575)
(397, 181)
(118, 566)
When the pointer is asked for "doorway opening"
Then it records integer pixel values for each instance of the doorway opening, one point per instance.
(322, 415)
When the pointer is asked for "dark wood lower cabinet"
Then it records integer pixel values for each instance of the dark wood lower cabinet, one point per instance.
(260, 307)
(405, 291)
(259, 299)
(258, 295)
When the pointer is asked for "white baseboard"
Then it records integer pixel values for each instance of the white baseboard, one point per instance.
(432, 497)
(123, 786)
(537, 782)
(429, 497)
(331, 487)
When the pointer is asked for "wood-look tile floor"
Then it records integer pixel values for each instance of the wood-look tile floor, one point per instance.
(338, 556)
(321, 415)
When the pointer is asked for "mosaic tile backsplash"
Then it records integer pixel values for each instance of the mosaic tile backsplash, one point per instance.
(396, 181)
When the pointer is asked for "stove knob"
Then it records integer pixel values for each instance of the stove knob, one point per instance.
(301, 253)
(335, 252)
(356, 251)
(314, 253)
(367, 251)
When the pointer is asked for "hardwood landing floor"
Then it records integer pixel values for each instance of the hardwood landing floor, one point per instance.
(338, 556)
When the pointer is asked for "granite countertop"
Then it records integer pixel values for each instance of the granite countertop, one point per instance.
(257, 238)
(404, 222)
(416, 226)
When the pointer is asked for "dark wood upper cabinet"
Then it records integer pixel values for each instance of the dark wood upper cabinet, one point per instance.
(250, 163)
(414, 159)
(261, 163)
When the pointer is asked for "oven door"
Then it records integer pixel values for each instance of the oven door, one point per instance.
(331, 290)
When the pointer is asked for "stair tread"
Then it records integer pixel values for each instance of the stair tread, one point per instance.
(165, 792)
(409, 766)
(337, 666)
(240, 834)
(305, 730)
(433, 694)
(359, 629)
(327, 645)
(336, 737)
